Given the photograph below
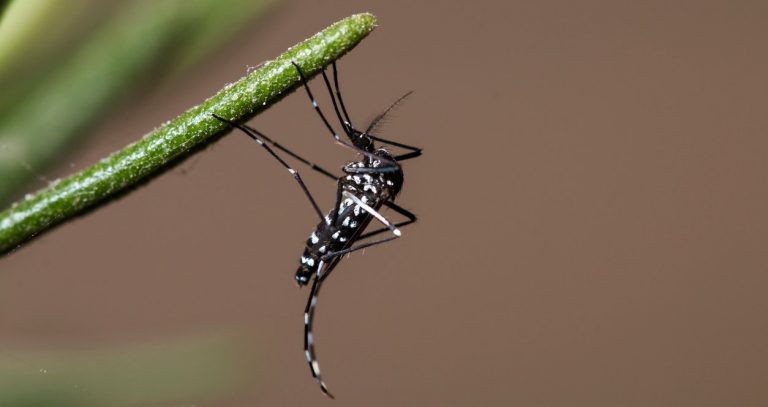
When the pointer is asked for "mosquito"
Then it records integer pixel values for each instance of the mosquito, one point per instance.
(368, 184)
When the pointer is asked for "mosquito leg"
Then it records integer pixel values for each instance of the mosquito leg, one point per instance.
(257, 137)
(392, 228)
(369, 170)
(328, 124)
(303, 160)
(379, 167)
(402, 211)
(317, 107)
(408, 156)
(309, 340)
(395, 143)
(344, 123)
(338, 95)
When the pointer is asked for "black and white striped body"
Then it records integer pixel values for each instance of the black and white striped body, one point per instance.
(344, 223)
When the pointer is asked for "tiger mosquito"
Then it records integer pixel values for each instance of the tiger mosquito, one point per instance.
(369, 184)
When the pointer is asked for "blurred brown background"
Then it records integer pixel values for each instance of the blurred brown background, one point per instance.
(592, 215)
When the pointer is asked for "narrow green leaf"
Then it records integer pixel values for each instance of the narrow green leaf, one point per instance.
(175, 139)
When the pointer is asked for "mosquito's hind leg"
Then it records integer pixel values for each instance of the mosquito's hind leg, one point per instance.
(397, 208)
(257, 137)
(309, 339)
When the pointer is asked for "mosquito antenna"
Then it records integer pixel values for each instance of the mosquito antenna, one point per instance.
(378, 119)
(256, 136)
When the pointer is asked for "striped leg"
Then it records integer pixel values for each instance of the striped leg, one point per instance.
(257, 137)
(328, 124)
(309, 313)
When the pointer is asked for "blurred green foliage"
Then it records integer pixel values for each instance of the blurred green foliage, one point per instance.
(189, 370)
(63, 64)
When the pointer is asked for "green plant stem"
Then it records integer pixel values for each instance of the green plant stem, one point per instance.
(159, 149)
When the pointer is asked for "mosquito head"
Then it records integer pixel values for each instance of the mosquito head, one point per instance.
(361, 140)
